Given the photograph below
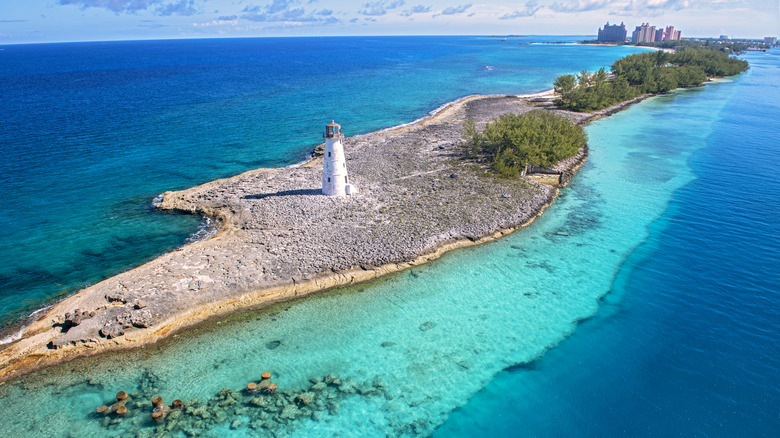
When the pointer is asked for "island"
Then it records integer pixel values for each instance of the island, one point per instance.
(280, 238)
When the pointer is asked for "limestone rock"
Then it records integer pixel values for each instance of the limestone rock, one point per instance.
(141, 318)
(112, 330)
(117, 295)
(305, 398)
(258, 401)
(123, 319)
(73, 319)
(290, 412)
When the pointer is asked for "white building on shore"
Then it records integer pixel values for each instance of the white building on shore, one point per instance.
(335, 181)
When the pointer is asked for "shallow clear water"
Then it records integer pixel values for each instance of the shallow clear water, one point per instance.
(91, 132)
(682, 328)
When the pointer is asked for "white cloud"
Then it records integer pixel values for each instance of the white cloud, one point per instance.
(454, 10)
(380, 7)
(531, 7)
(162, 7)
(419, 9)
(218, 22)
(583, 5)
(287, 12)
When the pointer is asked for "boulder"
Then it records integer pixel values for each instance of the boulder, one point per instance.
(258, 401)
(290, 412)
(112, 330)
(73, 319)
(304, 399)
(123, 319)
(141, 318)
(319, 386)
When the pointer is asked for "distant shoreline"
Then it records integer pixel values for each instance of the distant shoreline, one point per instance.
(577, 43)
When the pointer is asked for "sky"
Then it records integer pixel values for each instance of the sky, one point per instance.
(31, 21)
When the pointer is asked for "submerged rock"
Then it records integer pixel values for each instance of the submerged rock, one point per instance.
(258, 401)
(290, 412)
(305, 398)
(319, 386)
(427, 325)
(237, 424)
(278, 413)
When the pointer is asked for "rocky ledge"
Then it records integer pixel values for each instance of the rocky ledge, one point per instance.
(280, 238)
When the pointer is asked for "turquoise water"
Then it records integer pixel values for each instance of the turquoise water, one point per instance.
(685, 343)
(92, 132)
(610, 276)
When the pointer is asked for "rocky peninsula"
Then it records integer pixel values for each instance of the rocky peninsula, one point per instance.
(279, 238)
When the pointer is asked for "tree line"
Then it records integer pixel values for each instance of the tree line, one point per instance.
(732, 47)
(634, 75)
(511, 142)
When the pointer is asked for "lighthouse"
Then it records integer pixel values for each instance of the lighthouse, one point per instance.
(335, 181)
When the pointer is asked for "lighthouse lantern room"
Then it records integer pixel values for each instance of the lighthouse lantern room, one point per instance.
(335, 181)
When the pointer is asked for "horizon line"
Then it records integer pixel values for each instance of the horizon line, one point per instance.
(329, 36)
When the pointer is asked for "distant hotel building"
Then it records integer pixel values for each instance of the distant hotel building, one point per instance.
(643, 34)
(648, 34)
(613, 33)
(671, 34)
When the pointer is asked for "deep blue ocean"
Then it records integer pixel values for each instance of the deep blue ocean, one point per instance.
(644, 302)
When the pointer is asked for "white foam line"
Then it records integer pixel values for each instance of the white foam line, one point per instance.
(436, 111)
(545, 93)
(298, 164)
(18, 335)
(205, 232)
(157, 200)
(13, 337)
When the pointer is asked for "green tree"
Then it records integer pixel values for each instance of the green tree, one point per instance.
(651, 72)
(511, 141)
(564, 84)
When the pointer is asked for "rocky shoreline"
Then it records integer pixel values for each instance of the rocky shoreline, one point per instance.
(279, 238)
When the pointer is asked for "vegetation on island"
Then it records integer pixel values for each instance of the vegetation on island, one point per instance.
(512, 142)
(634, 75)
(727, 46)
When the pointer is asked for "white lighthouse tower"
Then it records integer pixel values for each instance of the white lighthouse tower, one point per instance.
(335, 181)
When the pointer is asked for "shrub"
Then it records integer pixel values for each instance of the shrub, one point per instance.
(513, 141)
